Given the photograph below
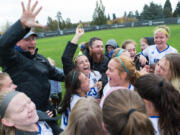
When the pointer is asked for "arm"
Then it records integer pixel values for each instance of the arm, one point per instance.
(67, 58)
(17, 31)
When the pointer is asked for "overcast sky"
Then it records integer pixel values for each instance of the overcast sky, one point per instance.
(10, 10)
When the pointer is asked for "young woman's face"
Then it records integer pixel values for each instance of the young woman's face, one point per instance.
(83, 65)
(21, 111)
(162, 69)
(160, 39)
(126, 53)
(7, 84)
(85, 83)
(143, 44)
(132, 50)
(113, 73)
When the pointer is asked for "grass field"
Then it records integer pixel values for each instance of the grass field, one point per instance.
(54, 46)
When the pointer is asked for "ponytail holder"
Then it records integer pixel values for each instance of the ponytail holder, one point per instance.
(130, 111)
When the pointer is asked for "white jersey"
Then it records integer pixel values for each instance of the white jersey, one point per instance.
(44, 128)
(107, 87)
(154, 120)
(153, 53)
(94, 77)
(64, 118)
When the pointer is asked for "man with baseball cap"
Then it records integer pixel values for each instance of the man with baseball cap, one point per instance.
(29, 70)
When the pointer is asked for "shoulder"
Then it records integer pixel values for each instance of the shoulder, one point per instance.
(74, 99)
(173, 49)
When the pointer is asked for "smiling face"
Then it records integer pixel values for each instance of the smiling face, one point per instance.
(162, 69)
(143, 44)
(160, 39)
(83, 65)
(113, 73)
(96, 51)
(21, 111)
(28, 44)
(131, 48)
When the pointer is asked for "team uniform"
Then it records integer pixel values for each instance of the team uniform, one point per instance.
(65, 117)
(154, 120)
(153, 53)
(108, 87)
(44, 128)
(94, 77)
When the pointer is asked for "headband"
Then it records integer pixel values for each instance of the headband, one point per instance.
(5, 102)
(120, 52)
(121, 62)
(162, 30)
(73, 77)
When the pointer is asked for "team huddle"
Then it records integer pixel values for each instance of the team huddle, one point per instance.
(118, 92)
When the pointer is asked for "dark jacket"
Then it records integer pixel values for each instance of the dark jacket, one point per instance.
(29, 72)
(42, 117)
(67, 57)
(101, 67)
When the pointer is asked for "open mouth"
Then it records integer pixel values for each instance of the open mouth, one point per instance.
(31, 48)
(86, 68)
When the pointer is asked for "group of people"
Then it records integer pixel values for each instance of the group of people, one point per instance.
(118, 92)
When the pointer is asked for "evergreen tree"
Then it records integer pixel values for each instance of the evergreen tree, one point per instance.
(153, 11)
(99, 16)
(177, 10)
(114, 16)
(130, 14)
(137, 15)
(167, 10)
(108, 18)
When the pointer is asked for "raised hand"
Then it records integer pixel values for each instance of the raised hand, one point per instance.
(79, 31)
(78, 34)
(29, 15)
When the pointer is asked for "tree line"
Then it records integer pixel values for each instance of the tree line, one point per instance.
(150, 11)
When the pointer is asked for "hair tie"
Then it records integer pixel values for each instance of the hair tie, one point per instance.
(5, 102)
(73, 77)
(130, 111)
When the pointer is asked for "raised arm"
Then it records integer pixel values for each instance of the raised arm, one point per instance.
(17, 31)
(79, 33)
(28, 18)
(67, 58)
